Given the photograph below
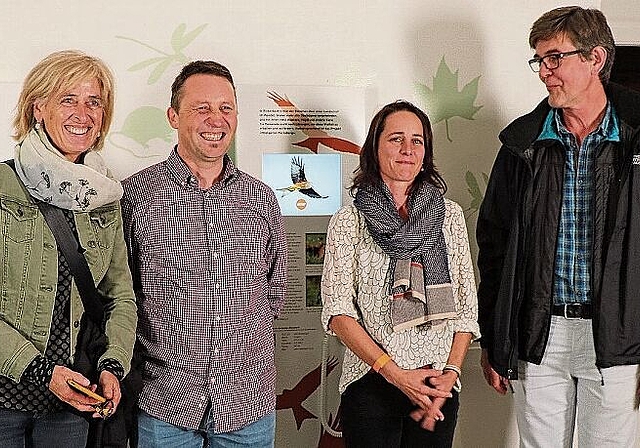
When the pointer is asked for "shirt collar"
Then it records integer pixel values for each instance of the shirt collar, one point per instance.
(608, 129)
(183, 175)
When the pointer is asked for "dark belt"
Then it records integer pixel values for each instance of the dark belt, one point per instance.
(573, 310)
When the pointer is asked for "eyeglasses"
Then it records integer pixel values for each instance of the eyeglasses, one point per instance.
(550, 61)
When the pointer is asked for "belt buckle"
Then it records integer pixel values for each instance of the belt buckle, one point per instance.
(578, 307)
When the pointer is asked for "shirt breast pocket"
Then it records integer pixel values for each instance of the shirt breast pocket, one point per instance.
(249, 236)
(18, 219)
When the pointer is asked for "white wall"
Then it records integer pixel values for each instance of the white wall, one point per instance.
(383, 46)
(623, 17)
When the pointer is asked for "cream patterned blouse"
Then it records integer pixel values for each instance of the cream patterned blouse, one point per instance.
(354, 284)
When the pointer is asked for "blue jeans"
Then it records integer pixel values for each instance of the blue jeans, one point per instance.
(154, 433)
(21, 429)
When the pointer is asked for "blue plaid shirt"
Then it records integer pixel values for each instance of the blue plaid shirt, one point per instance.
(572, 276)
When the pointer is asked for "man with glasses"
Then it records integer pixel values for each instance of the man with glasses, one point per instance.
(559, 238)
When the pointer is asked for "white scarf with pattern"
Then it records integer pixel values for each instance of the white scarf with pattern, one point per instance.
(52, 178)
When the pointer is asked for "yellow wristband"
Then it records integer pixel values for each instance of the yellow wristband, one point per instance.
(381, 362)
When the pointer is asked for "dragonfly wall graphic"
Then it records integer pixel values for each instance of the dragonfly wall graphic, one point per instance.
(145, 130)
(180, 39)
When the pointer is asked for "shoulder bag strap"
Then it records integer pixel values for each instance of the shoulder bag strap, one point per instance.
(68, 244)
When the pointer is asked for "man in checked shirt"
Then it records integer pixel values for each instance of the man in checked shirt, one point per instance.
(208, 255)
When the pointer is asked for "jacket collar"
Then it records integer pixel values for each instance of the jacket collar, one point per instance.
(523, 131)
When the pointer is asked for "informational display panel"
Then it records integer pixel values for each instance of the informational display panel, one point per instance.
(304, 142)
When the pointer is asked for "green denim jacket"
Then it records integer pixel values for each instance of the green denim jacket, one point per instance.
(29, 276)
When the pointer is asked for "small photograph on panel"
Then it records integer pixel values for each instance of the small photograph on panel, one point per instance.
(313, 291)
(314, 247)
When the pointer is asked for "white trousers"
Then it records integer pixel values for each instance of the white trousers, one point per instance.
(566, 393)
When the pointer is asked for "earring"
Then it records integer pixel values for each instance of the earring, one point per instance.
(37, 126)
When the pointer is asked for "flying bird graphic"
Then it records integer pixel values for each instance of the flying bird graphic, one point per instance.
(300, 182)
(293, 398)
(315, 135)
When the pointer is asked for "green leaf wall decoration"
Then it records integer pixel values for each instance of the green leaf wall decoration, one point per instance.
(179, 41)
(444, 101)
(473, 187)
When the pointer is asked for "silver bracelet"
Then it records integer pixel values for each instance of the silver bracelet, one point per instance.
(452, 368)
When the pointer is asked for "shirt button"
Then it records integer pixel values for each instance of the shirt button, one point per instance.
(203, 398)
(76, 324)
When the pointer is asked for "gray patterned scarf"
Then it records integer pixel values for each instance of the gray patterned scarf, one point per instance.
(51, 178)
(419, 282)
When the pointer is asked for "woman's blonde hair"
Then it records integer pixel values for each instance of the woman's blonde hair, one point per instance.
(60, 71)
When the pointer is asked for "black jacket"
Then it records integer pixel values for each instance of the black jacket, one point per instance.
(517, 233)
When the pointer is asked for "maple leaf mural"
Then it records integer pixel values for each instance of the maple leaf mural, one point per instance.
(444, 101)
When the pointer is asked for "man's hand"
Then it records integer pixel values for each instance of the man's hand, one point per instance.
(499, 383)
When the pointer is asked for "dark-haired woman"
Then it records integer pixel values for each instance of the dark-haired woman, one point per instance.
(398, 290)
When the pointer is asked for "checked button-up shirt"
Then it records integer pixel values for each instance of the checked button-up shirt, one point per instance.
(572, 277)
(209, 275)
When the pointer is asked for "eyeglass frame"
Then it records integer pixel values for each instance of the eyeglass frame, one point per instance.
(541, 60)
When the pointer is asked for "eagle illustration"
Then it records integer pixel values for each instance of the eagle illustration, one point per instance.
(300, 182)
